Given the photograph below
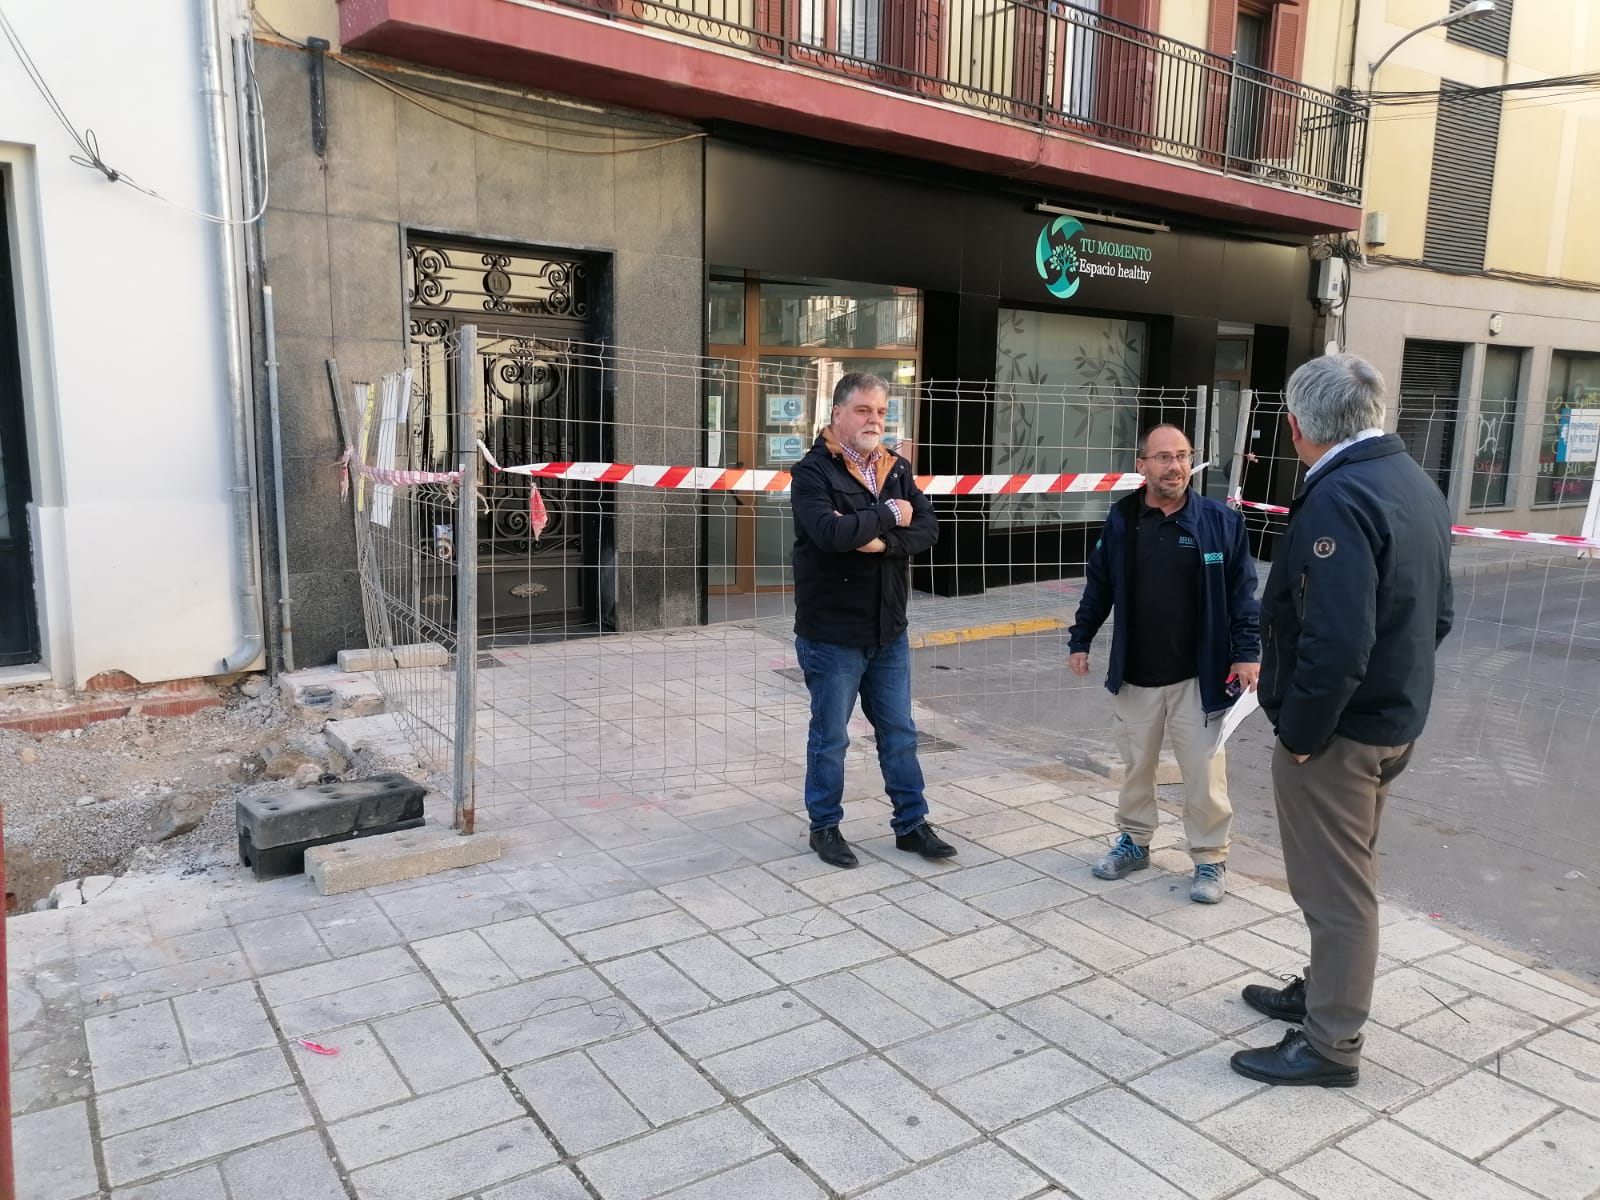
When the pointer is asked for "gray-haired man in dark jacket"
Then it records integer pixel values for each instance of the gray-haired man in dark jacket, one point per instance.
(859, 517)
(1356, 605)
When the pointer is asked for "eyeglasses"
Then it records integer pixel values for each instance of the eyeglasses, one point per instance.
(1166, 460)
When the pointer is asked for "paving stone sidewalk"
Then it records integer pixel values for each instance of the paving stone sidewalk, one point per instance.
(655, 993)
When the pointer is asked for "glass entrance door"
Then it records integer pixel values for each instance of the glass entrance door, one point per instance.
(1231, 377)
(778, 348)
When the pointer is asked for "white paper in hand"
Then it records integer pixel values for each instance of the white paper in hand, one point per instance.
(1242, 708)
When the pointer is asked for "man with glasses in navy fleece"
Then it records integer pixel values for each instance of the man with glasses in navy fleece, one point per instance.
(858, 520)
(1176, 568)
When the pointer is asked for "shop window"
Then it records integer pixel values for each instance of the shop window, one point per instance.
(778, 346)
(1571, 425)
(836, 316)
(1497, 425)
(725, 311)
(1066, 399)
(1430, 397)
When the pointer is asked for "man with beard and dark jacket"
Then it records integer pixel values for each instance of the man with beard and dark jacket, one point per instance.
(858, 519)
(1175, 567)
(1358, 600)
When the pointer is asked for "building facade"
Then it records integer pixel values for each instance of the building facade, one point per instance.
(1478, 291)
(1118, 196)
(127, 520)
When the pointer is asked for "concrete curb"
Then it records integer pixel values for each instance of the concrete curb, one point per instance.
(978, 633)
(392, 857)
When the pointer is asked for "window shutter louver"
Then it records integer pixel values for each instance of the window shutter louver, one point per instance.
(1466, 139)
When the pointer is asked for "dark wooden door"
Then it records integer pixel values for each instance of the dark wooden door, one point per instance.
(19, 614)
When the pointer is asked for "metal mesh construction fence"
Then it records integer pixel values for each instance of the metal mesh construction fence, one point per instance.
(580, 554)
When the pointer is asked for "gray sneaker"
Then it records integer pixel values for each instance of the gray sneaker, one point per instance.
(1210, 883)
(1127, 855)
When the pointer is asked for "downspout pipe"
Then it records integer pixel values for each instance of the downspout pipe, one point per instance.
(243, 485)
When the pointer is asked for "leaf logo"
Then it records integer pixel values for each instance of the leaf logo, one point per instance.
(1056, 257)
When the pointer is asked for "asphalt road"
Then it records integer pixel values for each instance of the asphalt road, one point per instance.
(1495, 826)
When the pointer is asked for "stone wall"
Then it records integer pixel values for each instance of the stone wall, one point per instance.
(532, 172)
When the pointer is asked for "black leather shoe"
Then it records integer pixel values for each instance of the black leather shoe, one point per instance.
(831, 847)
(1281, 1004)
(924, 841)
(1293, 1062)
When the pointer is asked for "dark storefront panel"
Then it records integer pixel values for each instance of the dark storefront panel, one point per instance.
(974, 253)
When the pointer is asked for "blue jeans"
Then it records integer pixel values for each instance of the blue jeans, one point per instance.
(881, 676)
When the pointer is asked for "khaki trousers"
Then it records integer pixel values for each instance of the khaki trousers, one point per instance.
(1139, 718)
(1329, 808)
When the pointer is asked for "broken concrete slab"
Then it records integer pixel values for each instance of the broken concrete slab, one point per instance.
(74, 893)
(419, 654)
(381, 736)
(391, 857)
(327, 693)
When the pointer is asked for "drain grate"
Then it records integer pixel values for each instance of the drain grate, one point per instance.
(927, 743)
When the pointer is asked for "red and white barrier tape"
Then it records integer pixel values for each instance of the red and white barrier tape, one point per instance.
(1473, 531)
(409, 478)
(389, 475)
(739, 479)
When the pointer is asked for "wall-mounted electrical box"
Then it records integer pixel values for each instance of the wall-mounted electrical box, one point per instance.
(1329, 281)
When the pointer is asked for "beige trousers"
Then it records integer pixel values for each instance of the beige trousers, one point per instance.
(1329, 810)
(1139, 719)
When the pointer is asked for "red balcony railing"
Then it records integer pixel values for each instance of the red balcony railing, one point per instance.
(1055, 65)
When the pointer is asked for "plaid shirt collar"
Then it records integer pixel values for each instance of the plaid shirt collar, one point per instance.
(867, 466)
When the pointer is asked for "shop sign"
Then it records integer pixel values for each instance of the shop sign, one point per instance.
(1066, 255)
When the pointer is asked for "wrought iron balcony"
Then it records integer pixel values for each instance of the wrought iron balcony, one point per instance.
(1057, 66)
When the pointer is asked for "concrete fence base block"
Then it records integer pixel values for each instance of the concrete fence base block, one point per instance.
(391, 857)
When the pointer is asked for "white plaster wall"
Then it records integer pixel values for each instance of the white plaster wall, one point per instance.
(124, 341)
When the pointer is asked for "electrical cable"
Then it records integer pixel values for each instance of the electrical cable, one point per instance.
(89, 144)
(400, 91)
(1583, 82)
(411, 93)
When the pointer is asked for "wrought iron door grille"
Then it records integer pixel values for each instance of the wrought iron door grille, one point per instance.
(467, 279)
(536, 400)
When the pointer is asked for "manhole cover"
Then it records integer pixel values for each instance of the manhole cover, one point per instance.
(927, 743)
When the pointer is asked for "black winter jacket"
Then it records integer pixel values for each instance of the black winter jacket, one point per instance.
(1227, 626)
(1357, 602)
(842, 595)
